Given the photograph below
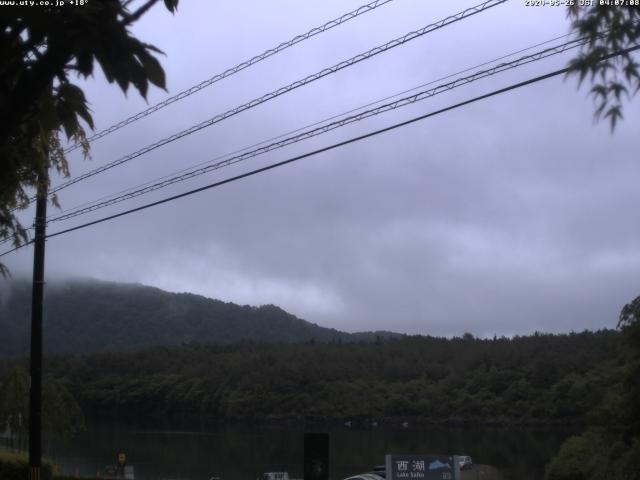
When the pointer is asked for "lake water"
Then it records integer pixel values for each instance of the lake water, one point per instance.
(241, 453)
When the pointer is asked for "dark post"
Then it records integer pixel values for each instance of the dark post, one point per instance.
(316, 456)
(37, 301)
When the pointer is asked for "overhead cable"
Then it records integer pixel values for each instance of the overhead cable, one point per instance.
(305, 127)
(402, 102)
(324, 149)
(292, 86)
(238, 68)
(309, 154)
(16, 248)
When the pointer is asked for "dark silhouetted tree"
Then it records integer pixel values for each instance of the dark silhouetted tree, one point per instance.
(43, 50)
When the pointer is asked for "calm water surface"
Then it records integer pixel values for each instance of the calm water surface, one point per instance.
(241, 453)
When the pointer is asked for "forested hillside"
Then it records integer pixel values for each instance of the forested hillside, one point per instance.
(536, 379)
(85, 316)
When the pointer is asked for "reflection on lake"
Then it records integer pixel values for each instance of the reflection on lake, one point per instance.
(241, 453)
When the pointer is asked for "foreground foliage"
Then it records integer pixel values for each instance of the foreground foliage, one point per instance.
(61, 413)
(44, 50)
(596, 455)
(610, 446)
(609, 30)
(15, 466)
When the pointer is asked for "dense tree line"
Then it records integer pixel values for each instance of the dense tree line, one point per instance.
(535, 379)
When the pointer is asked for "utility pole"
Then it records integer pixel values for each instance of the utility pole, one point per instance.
(37, 302)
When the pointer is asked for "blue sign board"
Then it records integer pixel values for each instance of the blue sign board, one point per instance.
(422, 467)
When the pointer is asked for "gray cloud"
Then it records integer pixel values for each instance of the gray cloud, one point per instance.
(508, 216)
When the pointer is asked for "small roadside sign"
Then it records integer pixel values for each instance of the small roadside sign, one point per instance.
(422, 467)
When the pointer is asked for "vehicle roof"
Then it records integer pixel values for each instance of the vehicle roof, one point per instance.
(366, 476)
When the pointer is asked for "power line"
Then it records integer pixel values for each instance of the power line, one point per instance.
(423, 95)
(309, 125)
(292, 86)
(300, 129)
(312, 153)
(9, 239)
(238, 68)
(325, 149)
(16, 248)
(231, 71)
(15, 236)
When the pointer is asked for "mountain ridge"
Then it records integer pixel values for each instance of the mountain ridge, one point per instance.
(88, 315)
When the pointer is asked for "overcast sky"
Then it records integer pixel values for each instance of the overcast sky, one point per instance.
(511, 215)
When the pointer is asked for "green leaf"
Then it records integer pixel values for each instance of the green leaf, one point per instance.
(631, 71)
(599, 90)
(86, 116)
(71, 93)
(152, 68)
(153, 48)
(138, 77)
(618, 89)
(614, 113)
(68, 120)
(84, 63)
(74, 99)
(172, 5)
(600, 108)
